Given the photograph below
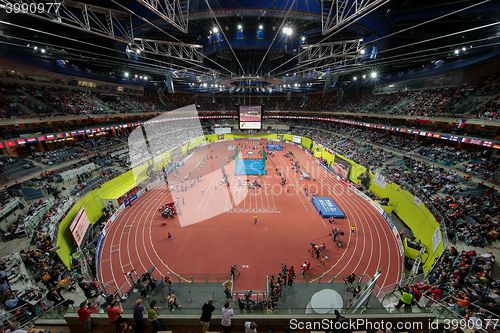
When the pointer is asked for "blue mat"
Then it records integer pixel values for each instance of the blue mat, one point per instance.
(326, 207)
(276, 147)
(250, 167)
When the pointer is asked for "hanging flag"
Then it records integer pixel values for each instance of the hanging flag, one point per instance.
(461, 123)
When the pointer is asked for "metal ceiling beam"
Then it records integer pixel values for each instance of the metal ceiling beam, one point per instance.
(174, 50)
(334, 54)
(175, 12)
(337, 14)
(97, 20)
(338, 50)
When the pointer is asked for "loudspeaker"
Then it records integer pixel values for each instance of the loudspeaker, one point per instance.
(289, 96)
(330, 81)
(169, 84)
(161, 96)
(305, 98)
(340, 95)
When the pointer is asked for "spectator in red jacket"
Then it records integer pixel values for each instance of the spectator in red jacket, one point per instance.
(84, 313)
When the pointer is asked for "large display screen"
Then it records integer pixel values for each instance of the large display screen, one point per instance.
(341, 167)
(250, 117)
(79, 226)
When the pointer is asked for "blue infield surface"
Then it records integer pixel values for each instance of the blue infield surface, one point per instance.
(326, 207)
(250, 167)
(276, 147)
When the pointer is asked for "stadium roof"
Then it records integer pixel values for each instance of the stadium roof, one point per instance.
(252, 45)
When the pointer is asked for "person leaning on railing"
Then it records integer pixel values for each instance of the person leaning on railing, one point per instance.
(114, 311)
(406, 298)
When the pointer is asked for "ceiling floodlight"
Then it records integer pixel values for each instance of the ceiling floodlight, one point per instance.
(240, 27)
(215, 30)
(362, 51)
(127, 74)
(287, 31)
(373, 75)
(355, 78)
(261, 27)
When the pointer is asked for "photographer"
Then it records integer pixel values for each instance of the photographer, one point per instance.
(84, 313)
(114, 311)
(206, 315)
(226, 315)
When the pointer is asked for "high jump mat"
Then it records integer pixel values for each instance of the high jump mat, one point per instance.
(326, 207)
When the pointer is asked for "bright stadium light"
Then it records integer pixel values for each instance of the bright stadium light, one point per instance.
(364, 76)
(362, 51)
(457, 51)
(240, 27)
(35, 48)
(355, 78)
(138, 51)
(373, 75)
(464, 49)
(287, 31)
(135, 76)
(42, 50)
(215, 30)
(140, 77)
(261, 27)
(127, 74)
(145, 77)
(303, 38)
(205, 85)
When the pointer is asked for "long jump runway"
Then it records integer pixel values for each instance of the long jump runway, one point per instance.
(215, 228)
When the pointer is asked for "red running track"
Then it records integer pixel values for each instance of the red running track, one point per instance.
(287, 224)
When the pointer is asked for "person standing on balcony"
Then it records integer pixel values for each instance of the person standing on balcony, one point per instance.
(226, 315)
(206, 315)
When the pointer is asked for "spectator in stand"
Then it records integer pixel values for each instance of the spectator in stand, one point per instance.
(206, 315)
(114, 311)
(250, 327)
(139, 316)
(84, 312)
(153, 317)
(226, 315)
(406, 298)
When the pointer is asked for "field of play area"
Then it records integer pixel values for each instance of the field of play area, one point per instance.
(214, 226)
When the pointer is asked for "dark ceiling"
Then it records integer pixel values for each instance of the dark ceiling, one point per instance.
(246, 38)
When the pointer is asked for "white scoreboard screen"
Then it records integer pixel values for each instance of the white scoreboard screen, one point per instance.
(250, 117)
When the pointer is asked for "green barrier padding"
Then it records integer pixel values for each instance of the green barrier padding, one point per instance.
(93, 208)
(415, 215)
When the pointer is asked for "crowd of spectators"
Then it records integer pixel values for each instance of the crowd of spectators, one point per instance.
(472, 219)
(31, 100)
(463, 282)
(28, 100)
